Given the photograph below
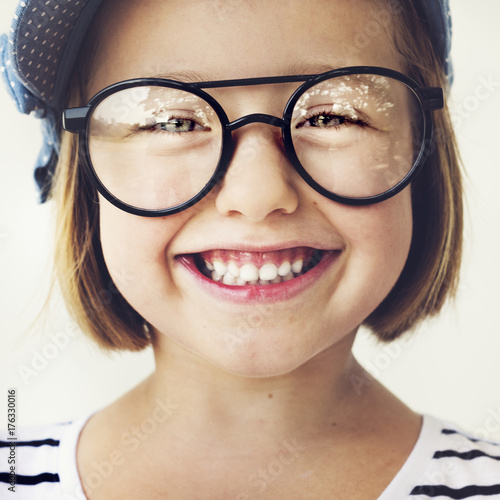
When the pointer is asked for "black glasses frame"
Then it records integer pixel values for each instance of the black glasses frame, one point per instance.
(430, 98)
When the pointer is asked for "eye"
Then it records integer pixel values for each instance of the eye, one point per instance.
(171, 125)
(177, 126)
(324, 120)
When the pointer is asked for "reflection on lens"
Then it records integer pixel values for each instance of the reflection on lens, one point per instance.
(357, 135)
(154, 147)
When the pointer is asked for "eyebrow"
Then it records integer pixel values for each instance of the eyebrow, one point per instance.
(197, 77)
(185, 76)
(298, 72)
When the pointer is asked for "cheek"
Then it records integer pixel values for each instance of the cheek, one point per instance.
(388, 237)
(379, 239)
(385, 235)
(134, 250)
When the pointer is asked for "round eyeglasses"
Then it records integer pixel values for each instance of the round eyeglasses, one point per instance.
(155, 147)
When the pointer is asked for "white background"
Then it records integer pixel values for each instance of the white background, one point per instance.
(449, 368)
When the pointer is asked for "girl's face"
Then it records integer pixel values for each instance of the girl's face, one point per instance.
(262, 212)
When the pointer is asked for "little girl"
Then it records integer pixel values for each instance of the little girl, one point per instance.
(269, 181)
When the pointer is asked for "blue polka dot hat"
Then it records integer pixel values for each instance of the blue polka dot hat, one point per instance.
(36, 61)
(37, 57)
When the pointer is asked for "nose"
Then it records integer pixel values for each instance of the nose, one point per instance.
(259, 180)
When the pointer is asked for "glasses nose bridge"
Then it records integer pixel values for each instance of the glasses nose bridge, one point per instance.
(267, 119)
(256, 118)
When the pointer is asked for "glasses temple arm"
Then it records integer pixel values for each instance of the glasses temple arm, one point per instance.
(75, 119)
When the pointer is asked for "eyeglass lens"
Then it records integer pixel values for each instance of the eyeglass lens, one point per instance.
(155, 147)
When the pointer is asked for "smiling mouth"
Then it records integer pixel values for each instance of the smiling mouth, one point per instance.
(237, 268)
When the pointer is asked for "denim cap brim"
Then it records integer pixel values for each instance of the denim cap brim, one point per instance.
(38, 55)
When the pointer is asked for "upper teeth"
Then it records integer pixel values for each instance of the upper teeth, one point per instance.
(232, 274)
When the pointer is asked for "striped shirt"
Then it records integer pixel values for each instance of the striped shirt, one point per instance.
(445, 463)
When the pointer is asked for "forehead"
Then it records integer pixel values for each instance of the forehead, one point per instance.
(215, 39)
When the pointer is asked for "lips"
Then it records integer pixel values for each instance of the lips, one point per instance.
(239, 268)
(313, 264)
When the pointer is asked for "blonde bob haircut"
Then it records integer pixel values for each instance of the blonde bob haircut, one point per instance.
(429, 277)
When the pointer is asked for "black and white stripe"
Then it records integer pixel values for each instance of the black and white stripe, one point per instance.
(442, 491)
(464, 467)
(39, 462)
(444, 464)
(31, 480)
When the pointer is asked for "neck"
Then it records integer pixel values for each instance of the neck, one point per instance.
(320, 394)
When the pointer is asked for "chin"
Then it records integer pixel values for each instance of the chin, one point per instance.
(257, 359)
